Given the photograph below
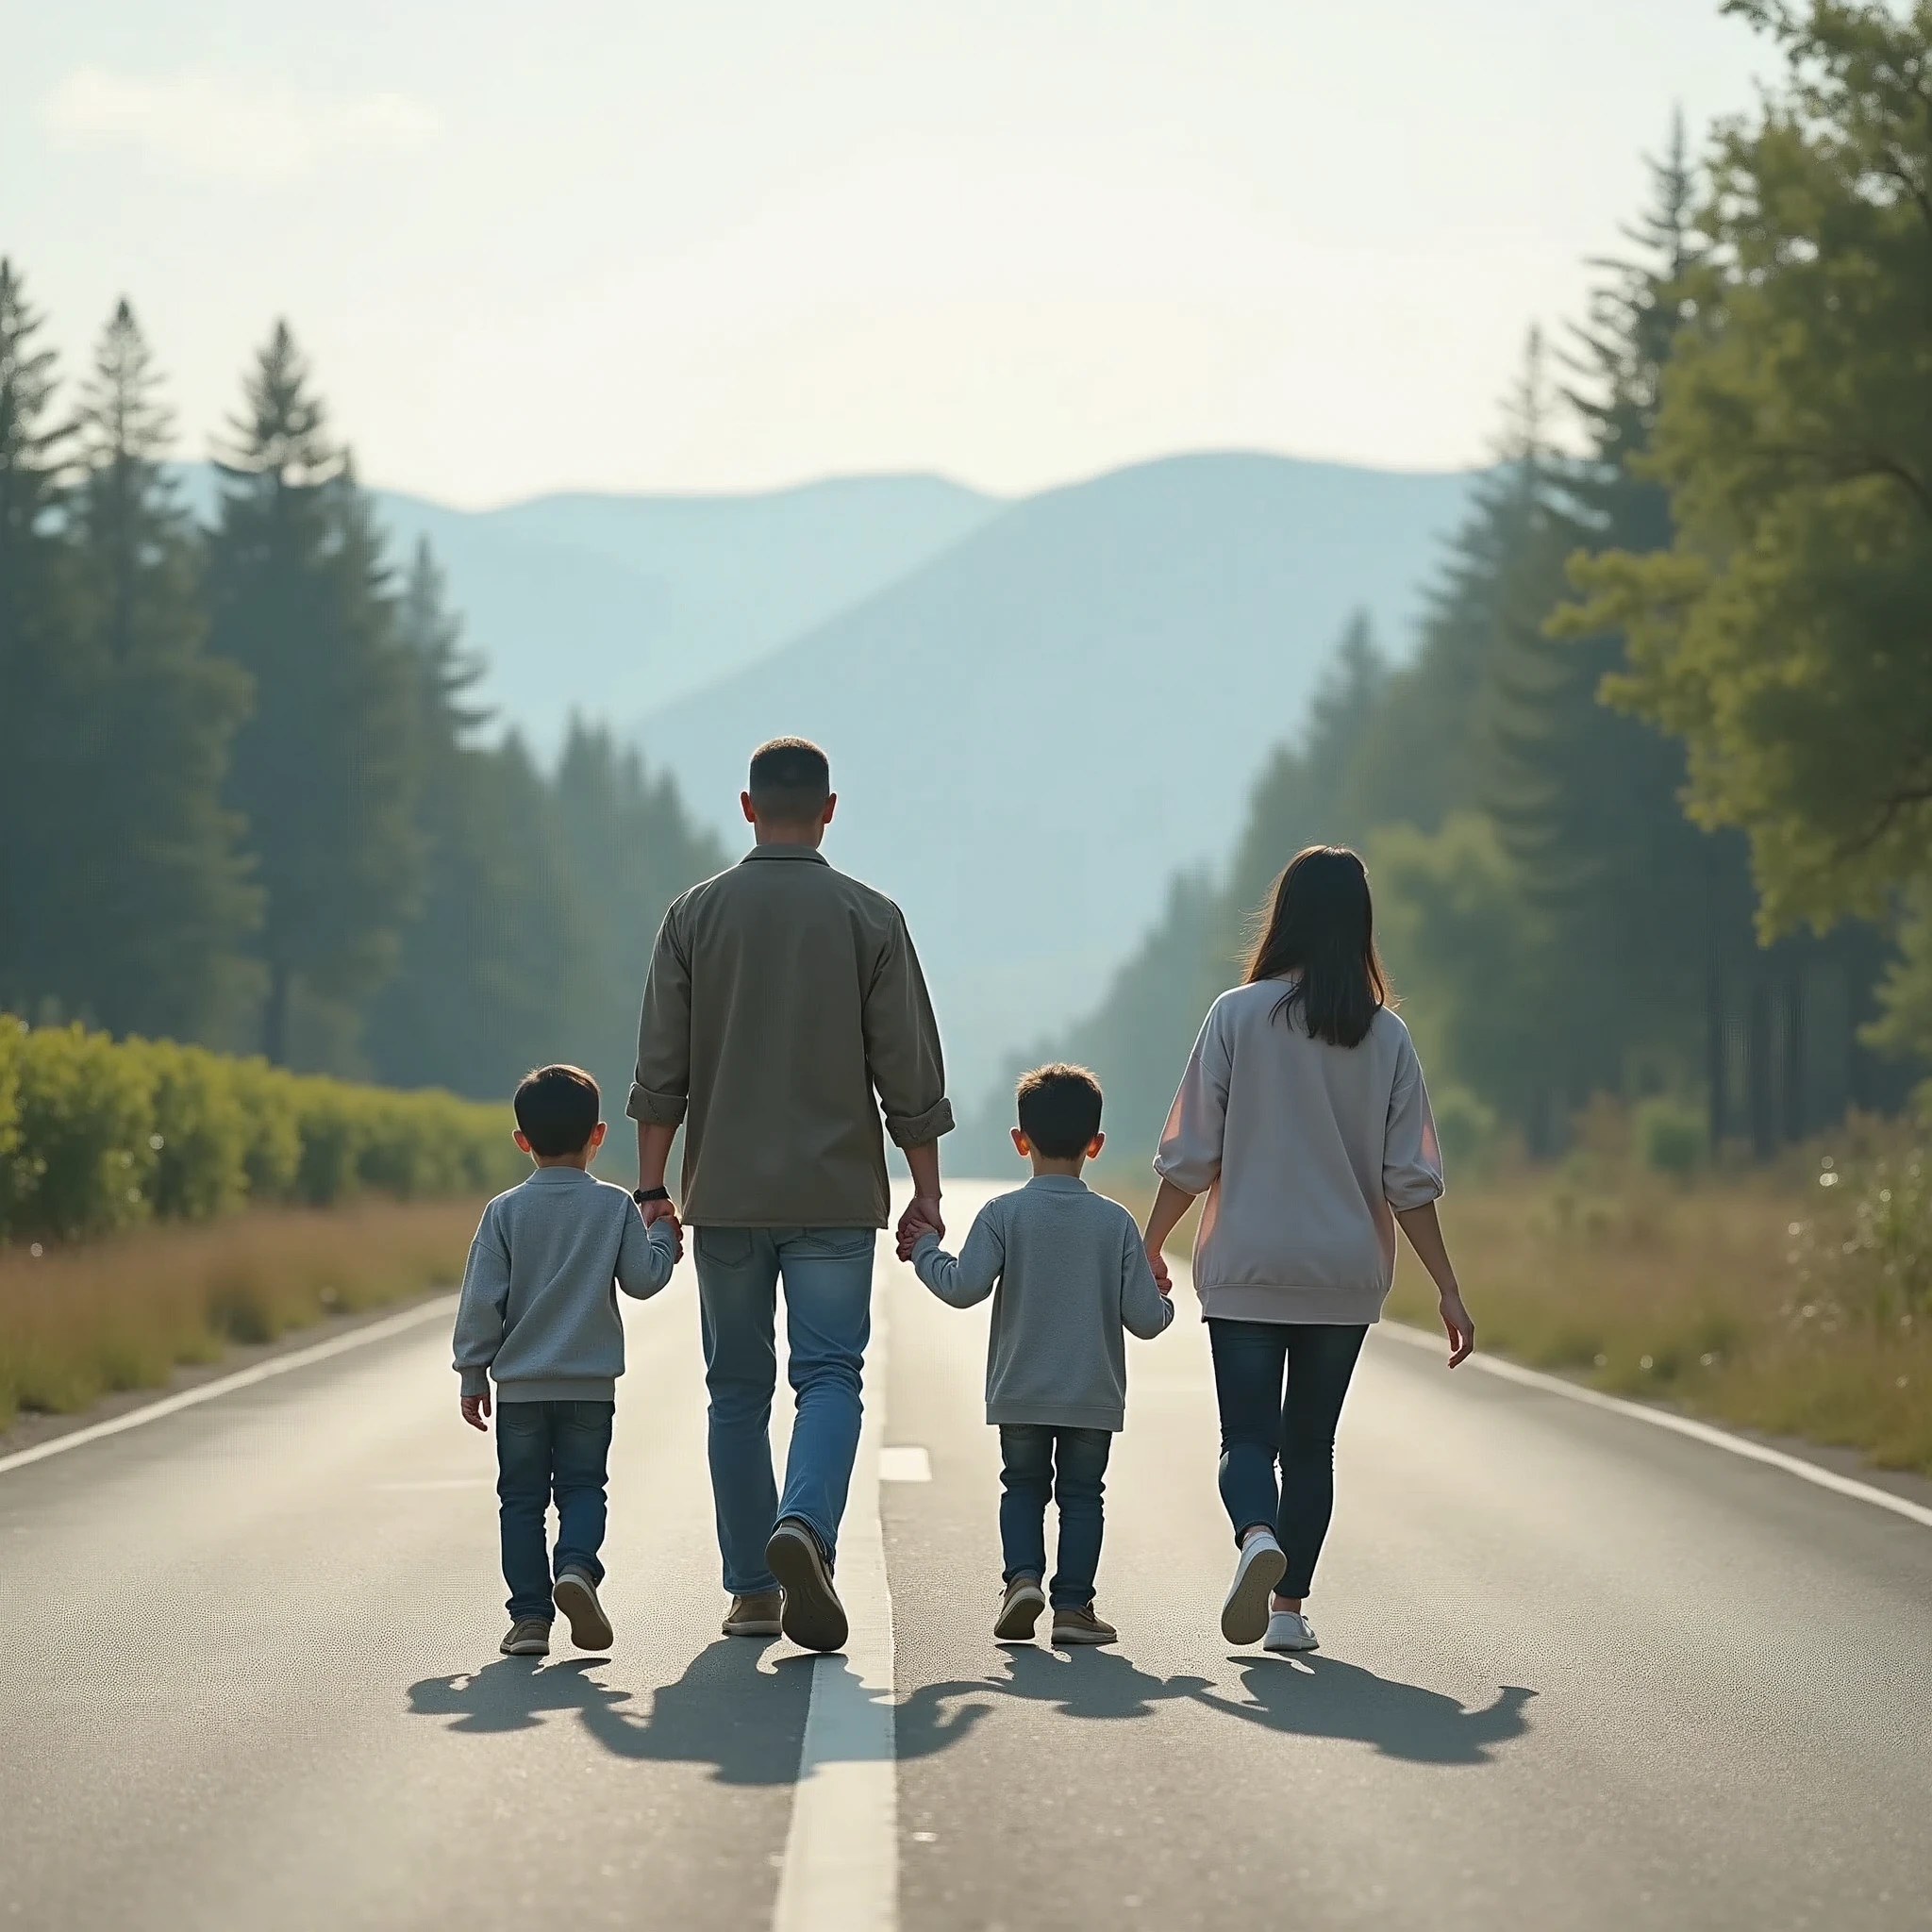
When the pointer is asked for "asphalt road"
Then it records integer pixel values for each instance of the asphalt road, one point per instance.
(1575, 1672)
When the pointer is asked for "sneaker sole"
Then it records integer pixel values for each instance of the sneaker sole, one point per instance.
(590, 1628)
(758, 1626)
(525, 1649)
(1063, 1639)
(1294, 1649)
(1244, 1615)
(813, 1616)
(1016, 1621)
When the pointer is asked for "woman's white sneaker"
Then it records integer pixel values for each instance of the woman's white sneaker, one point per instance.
(1290, 1631)
(1244, 1615)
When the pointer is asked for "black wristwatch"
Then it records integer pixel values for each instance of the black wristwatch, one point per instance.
(645, 1196)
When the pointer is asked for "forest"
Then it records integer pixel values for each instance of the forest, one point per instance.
(1648, 812)
(249, 801)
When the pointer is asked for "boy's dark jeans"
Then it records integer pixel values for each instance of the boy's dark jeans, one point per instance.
(1070, 1467)
(545, 1449)
(1280, 1386)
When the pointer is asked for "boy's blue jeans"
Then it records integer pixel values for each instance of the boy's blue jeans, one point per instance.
(827, 1277)
(546, 1449)
(1070, 1467)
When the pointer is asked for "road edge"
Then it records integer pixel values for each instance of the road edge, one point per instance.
(1707, 1433)
(440, 1307)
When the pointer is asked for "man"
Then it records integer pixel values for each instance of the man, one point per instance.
(783, 997)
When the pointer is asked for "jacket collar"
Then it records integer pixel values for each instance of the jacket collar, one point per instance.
(809, 852)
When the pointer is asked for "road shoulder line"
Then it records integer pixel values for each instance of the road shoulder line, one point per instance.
(841, 1852)
(1707, 1433)
(441, 1308)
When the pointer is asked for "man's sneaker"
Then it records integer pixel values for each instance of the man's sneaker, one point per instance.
(1244, 1615)
(757, 1615)
(1082, 1626)
(528, 1636)
(1290, 1631)
(576, 1595)
(813, 1616)
(1020, 1611)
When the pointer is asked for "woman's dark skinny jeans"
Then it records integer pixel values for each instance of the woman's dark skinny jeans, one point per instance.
(1280, 1386)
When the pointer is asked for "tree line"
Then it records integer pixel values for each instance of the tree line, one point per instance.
(248, 797)
(1648, 811)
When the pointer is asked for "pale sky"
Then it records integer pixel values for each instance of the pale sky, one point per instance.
(729, 246)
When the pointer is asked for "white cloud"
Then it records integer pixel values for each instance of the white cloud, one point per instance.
(222, 127)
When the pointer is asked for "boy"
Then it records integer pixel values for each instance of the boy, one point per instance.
(539, 1312)
(1071, 1271)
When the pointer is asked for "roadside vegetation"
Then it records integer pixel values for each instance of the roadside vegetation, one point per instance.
(80, 1323)
(158, 1203)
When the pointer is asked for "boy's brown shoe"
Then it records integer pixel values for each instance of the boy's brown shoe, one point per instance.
(1082, 1626)
(1020, 1609)
(756, 1615)
(528, 1636)
(576, 1595)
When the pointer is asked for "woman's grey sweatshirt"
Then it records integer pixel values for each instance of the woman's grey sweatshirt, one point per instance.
(1071, 1275)
(539, 1306)
(1307, 1152)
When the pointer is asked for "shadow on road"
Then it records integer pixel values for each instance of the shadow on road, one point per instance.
(1319, 1698)
(746, 1723)
(1323, 1697)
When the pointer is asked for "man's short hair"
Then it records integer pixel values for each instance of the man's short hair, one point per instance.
(558, 1109)
(1059, 1109)
(790, 780)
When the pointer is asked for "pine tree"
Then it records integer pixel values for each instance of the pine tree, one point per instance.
(164, 904)
(37, 686)
(325, 771)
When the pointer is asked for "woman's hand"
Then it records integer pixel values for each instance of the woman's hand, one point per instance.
(1158, 1261)
(1458, 1325)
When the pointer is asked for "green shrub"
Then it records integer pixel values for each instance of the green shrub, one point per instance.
(96, 1136)
(1670, 1136)
(200, 1135)
(1467, 1129)
(85, 1161)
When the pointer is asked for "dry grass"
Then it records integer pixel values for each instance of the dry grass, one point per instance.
(78, 1323)
(1689, 1296)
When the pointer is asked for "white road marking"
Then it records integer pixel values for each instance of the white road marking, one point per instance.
(1678, 1425)
(904, 1462)
(842, 1853)
(441, 1308)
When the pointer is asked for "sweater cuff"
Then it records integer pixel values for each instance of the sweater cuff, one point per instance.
(655, 1109)
(921, 1129)
(474, 1381)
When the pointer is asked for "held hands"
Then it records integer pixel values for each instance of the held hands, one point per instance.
(474, 1408)
(1158, 1261)
(921, 1217)
(1457, 1325)
(654, 1211)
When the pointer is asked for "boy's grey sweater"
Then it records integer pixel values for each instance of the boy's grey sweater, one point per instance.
(539, 1308)
(1072, 1273)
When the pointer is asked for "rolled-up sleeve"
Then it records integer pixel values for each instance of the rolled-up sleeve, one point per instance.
(902, 1046)
(660, 1088)
(1411, 1157)
(1189, 1154)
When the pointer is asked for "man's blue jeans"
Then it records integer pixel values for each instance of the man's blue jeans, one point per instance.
(1069, 1466)
(545, 1449)
(827, 1277)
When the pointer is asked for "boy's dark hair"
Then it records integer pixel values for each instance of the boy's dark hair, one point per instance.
(790, 780)
(1059, 1109)
(557, 1108)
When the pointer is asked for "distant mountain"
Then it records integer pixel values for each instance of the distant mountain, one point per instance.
(1034, 729)
(614, 605)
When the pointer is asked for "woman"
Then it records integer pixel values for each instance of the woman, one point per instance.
(1303, 1118)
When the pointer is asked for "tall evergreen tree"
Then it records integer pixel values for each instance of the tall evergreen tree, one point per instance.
(324, 770)
(164, 902)
(495, 971)
(36, 670)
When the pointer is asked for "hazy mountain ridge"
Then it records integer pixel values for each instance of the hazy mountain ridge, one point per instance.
(1033, 730)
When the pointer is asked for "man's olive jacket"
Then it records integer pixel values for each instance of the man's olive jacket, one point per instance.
(783, 997)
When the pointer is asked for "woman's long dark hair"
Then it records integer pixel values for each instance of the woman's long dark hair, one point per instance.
(1320, 929)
